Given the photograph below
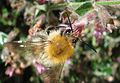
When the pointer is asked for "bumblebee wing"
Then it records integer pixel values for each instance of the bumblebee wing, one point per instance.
(25, 52)
(20, 48)
(33, 44)
(53, 75)
(15, 47)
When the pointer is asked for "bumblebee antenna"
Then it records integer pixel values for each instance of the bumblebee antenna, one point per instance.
(90, 46)
(69, 22)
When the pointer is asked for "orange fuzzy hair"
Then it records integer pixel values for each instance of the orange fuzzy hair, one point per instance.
(60, 48)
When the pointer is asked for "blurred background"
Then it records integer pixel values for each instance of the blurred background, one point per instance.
(86, 66)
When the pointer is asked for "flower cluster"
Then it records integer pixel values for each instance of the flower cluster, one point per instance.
(46, 50)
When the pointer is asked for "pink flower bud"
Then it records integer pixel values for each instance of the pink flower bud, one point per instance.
(41, 1)
(40, 68)
(10, 71)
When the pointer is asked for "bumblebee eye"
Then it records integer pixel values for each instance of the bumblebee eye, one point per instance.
(65, 32)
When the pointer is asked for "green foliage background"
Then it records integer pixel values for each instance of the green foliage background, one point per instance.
(86, 65)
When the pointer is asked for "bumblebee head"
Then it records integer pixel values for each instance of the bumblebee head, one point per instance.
(60, 47)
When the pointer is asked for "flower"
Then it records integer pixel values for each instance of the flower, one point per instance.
(37, 26)
(98, 35)
(10, 71)
(78, 27)
(116, 59)
(40, 68)
(59, 49)
(98, 31)
(41, 1)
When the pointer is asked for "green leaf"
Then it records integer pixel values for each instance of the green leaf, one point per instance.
(94, 41)
(39, 9)
(4, 12)
(75, 5)
(84, 8)
(107, 70)
(108, 2)
(102, 69)
(42, 7)
(3, 38)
